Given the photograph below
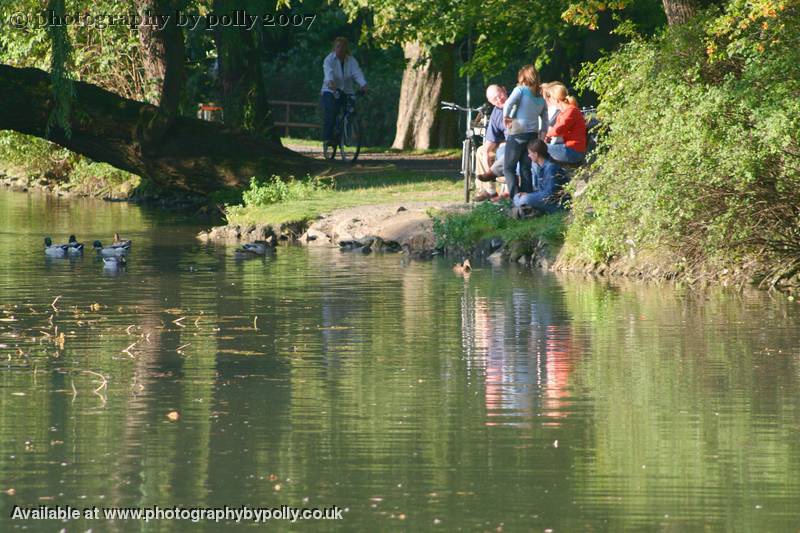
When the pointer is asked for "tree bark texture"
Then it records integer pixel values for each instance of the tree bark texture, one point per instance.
(163, 55)
(679, 11)
(421, 124)
(195, 155)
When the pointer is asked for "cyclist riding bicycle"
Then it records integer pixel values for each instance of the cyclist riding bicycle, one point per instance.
(340, 70)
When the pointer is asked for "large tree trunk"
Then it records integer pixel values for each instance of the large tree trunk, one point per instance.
(195, 156)
(679, 11)
(420, 123)
(240, 76)
(163, 53)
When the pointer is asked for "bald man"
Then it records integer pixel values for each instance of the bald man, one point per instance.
(495, 135)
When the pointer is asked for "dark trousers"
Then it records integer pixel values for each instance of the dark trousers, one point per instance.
(330, 108)
(517, 152)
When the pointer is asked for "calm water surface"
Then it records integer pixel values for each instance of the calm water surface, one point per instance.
(411, 397)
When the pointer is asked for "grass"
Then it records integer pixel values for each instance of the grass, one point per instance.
(317, 145)
(463, 230)
(352, 190)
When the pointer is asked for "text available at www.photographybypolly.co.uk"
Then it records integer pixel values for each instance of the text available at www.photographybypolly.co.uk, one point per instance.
(194, 514)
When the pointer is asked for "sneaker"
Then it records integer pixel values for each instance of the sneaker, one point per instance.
(501, 197)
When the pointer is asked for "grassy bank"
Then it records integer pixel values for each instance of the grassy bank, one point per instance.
(269, 201)
(465, 230)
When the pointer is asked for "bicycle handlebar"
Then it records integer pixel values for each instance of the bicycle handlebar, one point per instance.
(451, 106)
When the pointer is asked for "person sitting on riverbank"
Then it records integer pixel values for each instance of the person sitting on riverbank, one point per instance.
(552, 106)
(525, 116)
(486, 158)
(567, 137)
(548, 175)
(340, 71)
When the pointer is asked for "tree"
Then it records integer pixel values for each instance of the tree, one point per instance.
(426, 81)
(195, 156)
(152, 141)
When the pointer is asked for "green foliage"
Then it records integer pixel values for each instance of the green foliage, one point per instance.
(274, 190)
(701, 152)
(463, 230)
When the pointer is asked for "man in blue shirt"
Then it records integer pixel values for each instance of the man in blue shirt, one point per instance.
(486, 154)
(547, 175)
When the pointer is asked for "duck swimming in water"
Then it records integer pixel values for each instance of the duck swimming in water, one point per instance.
(74, 247)
(463, 268)
(257, 248)
(121, 242)
(111, 251)
(54, 250)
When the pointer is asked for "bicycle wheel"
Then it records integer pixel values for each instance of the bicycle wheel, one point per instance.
(350, 141)
(329, 149)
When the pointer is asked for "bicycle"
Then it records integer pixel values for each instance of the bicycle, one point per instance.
(346, 130)
(473, 138)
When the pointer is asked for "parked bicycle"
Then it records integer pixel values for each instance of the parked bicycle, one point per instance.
(346, 130)
(473, 138)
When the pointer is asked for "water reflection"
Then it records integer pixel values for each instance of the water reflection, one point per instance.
(396, 389)
(524, 356)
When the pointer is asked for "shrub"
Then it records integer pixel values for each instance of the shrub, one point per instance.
(702, 148)
(273, 190)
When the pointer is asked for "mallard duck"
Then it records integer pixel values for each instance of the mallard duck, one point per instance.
(110, 251)
(463, 268)
(254, 248)
(54, 250)
(74, 247)
(114, 262)
(121, 242)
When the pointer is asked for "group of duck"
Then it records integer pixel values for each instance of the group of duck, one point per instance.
(114, 255)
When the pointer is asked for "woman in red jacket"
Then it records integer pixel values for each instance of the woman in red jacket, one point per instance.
(567, 137)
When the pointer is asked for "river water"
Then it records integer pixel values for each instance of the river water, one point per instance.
(406, 395)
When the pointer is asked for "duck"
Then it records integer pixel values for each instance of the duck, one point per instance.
(54, 250)
(110, 251)
(463, 268)
(74, 247)
(121, 242)
(254, 248)
(114, 262)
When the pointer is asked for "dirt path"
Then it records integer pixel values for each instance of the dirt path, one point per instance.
(415, 162)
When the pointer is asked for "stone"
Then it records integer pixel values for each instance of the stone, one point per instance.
(496, 259)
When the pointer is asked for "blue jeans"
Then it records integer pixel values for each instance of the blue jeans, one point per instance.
(330, 108)
(564, 154)
(517, 152)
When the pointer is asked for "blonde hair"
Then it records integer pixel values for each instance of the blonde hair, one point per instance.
(546, 88)
(559, 93)
(529, 77)
(345, 44)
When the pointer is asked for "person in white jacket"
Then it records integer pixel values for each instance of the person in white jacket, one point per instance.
(340, 70)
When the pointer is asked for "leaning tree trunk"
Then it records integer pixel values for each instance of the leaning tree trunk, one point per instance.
(426, 81)
(679, 11)
(196, 156)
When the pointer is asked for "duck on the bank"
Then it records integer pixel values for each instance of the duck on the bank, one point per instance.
(114, 262)
(121, 242)
(463, 268)
(111, 251)
(257, 248)
(54, 250)
(74, 247)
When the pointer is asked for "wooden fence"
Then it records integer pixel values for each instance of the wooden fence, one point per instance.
(287, 123)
